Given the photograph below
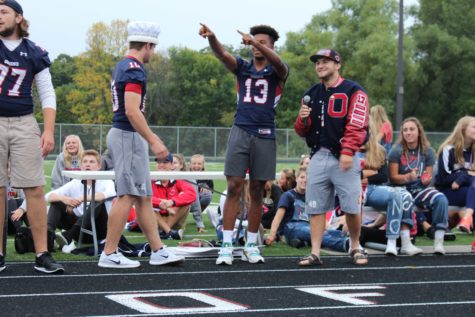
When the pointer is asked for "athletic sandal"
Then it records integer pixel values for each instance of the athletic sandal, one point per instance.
(310, 260)
(359, 257)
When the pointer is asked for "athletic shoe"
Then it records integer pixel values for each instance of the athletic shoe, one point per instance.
(2, 263)
(252, 254)
(116, 260)
(410, 249)
(174, 234)
(68, 247)
(225, 255)
(164, 256)
(46, 264)
(391, 250)
(61, 240)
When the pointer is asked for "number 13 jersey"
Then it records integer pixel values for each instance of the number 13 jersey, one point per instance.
(258, 93)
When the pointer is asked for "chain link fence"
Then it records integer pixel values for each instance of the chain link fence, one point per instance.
(209, 141)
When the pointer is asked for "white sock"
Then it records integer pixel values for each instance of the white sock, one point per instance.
(439, 235)
(391, 243)
(252, 237)
(405, 237)
(227, 236)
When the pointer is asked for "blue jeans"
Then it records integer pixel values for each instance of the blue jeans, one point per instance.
(438, 205)
(397, 202)
(332, 239)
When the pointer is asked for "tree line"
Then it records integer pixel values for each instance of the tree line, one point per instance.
(191, 88)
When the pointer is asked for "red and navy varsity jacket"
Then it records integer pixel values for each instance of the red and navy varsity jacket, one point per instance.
(338, 120)
(181, 192)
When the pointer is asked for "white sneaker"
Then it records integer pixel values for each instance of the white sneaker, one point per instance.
(69, 247)
(225, 255)
(391, 250)
(252, 254)
(410, 249)
(439, 246)
(116, 260)
(164, 256)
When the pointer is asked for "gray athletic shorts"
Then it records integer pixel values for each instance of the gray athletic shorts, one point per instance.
(324, 179)
(129, 152)
(249, 151)
(20, 142)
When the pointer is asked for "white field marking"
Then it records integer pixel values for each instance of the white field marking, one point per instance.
(139, 303)
(349, 298)
(308, 308)
(214, 272)
(141, 291)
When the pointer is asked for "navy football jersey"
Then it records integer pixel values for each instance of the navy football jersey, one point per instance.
(128, 70)
(17, 72)
(258, 93)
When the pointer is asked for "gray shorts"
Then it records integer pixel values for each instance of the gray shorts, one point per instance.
(324, 179)
(129, 152)
(20, 143)
(249, 151)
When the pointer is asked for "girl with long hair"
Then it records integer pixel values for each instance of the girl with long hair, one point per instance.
(69, 159)
(411, 162)
(456, 170)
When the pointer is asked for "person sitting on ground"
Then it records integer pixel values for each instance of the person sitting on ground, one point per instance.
(272, 194)
(68, 160)
(397, 202)
(171, 200)
(67, 209)
(411, 162)
(204, 191)
(456, 170)
(304, 160)
(287, 179)
(292, 222)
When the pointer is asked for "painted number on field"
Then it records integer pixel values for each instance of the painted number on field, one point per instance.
(139, 303)
(350, 298)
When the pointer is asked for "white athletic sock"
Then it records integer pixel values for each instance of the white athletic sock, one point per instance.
(439, 235)
(391, 243)
(405, 237)
(252, 237)
(227, 236)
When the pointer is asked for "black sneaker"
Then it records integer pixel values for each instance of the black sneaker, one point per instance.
(46, 264)
(297, 243)
(2, 263)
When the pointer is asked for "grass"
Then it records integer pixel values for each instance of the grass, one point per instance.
(278, 249)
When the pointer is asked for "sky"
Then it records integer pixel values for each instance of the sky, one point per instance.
(60, 26)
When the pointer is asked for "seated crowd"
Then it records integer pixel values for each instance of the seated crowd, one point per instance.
(407, 190)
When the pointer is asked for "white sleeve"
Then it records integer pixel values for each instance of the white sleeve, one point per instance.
(45, 88)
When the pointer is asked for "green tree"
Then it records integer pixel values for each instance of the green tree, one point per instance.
(442, 91)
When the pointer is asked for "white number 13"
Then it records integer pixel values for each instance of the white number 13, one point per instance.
(263, 85)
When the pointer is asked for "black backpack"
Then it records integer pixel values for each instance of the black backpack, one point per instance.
(24, 241)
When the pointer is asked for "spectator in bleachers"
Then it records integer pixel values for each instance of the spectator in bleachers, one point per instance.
(456, 170)
(272, 194)
(171, 200)
(204, 191)
(67, 209)
(69, 159)
(397, 202)
(287, 179)
(411, 162)
(383, 126)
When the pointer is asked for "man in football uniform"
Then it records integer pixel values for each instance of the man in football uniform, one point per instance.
(22, 143)
(128, 142)
(333, 118)
(251, 144)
